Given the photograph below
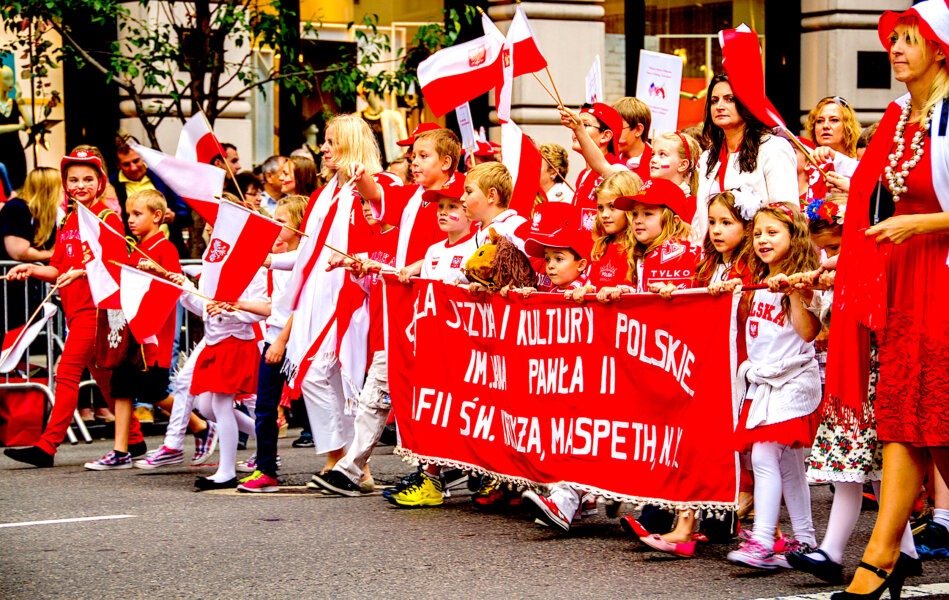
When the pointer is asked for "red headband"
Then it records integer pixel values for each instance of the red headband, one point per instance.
(783, 207)
(685, 144)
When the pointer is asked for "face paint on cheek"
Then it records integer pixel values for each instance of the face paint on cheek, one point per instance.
(453, 218)
(665, 166)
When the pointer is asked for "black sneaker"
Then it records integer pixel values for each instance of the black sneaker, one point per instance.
(304, 441)
(453, 478)
(337, 483)
(138, 450)
(403, 484)
(32, 455)
(932, 541)
(202, 484)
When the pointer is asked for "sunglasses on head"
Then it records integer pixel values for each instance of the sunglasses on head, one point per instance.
(836, 100)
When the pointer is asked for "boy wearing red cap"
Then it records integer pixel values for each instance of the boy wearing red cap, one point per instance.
(561, 248)
(596, 134)
(84, 181)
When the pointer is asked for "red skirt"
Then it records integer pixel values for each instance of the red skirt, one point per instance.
(912, 394)
(796, 433)
(227, 367)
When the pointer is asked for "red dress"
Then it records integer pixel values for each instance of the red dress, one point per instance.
(912, 395)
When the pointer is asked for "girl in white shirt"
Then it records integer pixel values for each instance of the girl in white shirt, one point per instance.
(783, 385)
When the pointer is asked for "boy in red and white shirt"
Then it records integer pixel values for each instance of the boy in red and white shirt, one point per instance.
(488, 190)
(596, 134)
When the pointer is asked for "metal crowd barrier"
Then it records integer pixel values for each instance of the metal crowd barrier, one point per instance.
(20, 299)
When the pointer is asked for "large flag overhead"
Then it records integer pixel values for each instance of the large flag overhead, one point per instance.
(239, 244)
(147, 301)
(16, 341)
(197, 142)
(106, 247)
(199, 185)
(741, 59)
(523, 160)
(455, 75)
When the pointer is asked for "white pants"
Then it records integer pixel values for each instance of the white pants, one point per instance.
(779, 470)
(848, 499)
(184, 401)
(372, 412)
(229, 420)
(325, 406)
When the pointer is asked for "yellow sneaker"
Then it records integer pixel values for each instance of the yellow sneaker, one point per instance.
(144, 414)
(426, 492)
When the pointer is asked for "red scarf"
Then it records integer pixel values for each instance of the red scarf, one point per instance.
(860, 289)
(722, 166)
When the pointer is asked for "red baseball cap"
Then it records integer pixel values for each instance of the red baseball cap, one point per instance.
(661, 192)
(548, 218)
(420, 128)
(454, 188)
(84, 157)
(574, 238)
(487, 149)
(609, 117)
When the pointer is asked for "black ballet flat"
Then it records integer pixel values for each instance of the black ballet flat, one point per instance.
(891, 581)
(825, 570)
(203, 484)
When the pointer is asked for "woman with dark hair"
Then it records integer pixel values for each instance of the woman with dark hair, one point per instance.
(299, 176)
(742, 152)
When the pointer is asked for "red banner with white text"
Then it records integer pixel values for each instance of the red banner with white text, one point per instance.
(630, 400)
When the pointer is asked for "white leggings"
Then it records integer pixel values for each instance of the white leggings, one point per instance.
(848, 499)
(779, 470)
(220, 409)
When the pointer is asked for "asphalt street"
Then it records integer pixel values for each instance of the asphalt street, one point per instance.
(162, 540)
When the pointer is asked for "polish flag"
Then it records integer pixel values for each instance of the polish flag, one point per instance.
(104, 247)
(239, 244)
(16, 341)
(502, 96)
(197, 142)
(523, 160)
(741, 59)
(198, 184)
(147, 301)
(455, 75)
(521, 38)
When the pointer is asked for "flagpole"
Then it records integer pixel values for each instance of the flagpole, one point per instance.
(570, 187)
(553, 83)
(271, 219)
(32, 317)
(546, 89)
(182, 288)
(804, 150)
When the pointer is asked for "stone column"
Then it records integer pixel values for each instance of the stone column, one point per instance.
(570, 34)
(841, 55)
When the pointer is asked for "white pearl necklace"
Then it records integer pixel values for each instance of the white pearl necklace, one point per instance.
(897, 179)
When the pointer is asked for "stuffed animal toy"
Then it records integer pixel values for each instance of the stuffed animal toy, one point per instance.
(498, 264)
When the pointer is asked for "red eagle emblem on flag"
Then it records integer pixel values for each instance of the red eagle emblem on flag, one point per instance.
(507, 57)
(217, 250)
(477, 56)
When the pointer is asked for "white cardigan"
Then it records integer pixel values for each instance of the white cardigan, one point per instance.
(774, 179)
(786, 389)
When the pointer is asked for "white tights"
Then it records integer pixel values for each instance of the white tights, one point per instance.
(220, 409)
(779, 470)
(848, 498)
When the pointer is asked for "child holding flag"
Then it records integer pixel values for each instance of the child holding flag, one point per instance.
(84, 181)
(146, 213)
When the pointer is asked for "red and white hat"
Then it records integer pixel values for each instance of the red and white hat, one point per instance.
(420, 128)
(84, 157)
(609, 117)
(555, 225)
(661, 192)
(933, 22)
(454, 188)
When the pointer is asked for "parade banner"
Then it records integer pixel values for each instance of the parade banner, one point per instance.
(630, 400)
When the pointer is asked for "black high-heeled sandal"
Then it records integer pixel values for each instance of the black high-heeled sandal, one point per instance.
(892, 581)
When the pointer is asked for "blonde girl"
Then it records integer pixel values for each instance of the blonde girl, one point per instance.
(675, 157)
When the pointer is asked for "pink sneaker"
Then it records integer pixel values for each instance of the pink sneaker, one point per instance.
(751, 553)
(258, 482)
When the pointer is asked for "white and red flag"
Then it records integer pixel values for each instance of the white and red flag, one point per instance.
(741, 59)
(147, 301)
(199, 185)
(523, 160)
(239, 244)
(521, 39)
(455, 75)
(197, 142)
(16, 341)
(102, 248)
